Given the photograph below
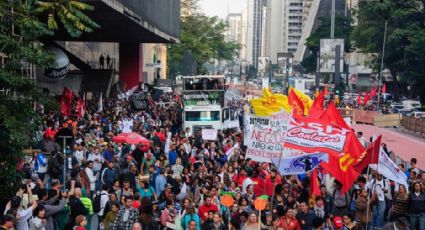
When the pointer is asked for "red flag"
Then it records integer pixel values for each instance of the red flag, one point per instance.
(296, 103)
(373, 92)
(80, 107)
(65, 108)
(384, 88)
(332, 116)
(317, 107)
(314, 184)
(341, 166)
(359, 99)
(366, 98)
(371, 156)
(68, 95)
(326, 90)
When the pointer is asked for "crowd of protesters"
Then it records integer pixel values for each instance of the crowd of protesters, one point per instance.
(178, 182)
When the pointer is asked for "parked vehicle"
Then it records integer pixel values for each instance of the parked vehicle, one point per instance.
(411, 105)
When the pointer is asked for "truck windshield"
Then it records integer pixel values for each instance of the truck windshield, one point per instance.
(202, 116)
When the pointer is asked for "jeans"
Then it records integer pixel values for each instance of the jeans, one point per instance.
(378, 214)
(415, 219)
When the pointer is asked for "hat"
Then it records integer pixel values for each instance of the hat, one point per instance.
(338, 222)
(169, 186)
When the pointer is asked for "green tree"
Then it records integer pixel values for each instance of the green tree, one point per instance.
(404, 47)
(342, 30)
(21, 26)
(203, 37)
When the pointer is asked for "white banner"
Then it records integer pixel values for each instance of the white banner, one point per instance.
(309, 135)
(389, 169)
(264, 137)
(209, 134)
(300, 164)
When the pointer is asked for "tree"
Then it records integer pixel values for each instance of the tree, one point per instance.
(21, 26)
(342, 30)
(203, 37)
(405, 38)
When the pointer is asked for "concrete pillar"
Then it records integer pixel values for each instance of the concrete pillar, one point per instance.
(131, 64)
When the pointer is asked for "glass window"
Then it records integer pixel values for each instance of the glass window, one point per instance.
(203, 116)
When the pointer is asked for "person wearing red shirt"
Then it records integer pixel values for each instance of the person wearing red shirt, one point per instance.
(289, 222)
(270, 181)
(240, 177)
(206, 207)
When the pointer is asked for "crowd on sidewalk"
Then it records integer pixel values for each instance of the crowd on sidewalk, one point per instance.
(178, 182)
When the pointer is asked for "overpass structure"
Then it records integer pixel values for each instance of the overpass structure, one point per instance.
(128, 24)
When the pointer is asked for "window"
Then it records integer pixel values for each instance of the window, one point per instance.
(202, 116)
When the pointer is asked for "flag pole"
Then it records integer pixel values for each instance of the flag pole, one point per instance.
(278, 173)
(367, 180)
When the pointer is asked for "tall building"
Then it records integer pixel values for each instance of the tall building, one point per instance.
(312, 11)
(254, 34)
(293, 24)
(234, 30)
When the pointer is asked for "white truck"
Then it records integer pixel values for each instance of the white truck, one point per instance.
(203, 104)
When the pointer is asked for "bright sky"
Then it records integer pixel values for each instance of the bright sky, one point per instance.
(221, 8)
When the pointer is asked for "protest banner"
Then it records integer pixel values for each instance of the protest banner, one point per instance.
(389, 169)
(264, 137)
(139, 101)
(209, 134)
(300, 164)
(312, 135)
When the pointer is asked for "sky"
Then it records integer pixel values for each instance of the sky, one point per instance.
(220, 8)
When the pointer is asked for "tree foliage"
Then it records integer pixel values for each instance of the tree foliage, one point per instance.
(21, 26)
(342, 30)
(203, 37)
(404, 47)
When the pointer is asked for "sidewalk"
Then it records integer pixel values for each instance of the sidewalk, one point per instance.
(402, 144)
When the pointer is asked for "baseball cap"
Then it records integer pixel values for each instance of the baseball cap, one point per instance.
(338, 222)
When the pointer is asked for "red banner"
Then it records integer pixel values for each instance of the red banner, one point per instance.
(312, 135)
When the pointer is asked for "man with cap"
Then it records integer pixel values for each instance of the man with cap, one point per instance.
(338, 224)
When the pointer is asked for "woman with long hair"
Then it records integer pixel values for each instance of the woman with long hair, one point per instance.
(417, 207)
(38, 220)
(401, 202)
(189, 216)
(252, 222)
(288, 221)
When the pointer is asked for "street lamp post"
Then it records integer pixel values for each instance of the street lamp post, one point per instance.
(382, 65)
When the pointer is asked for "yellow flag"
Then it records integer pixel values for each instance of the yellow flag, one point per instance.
(306, 100)
(270, 103)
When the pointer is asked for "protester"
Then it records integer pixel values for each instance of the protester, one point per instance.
(179, 181)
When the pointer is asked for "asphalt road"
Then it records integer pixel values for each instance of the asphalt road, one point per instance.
(404, 145)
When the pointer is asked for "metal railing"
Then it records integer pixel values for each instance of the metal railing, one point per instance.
(163, 14)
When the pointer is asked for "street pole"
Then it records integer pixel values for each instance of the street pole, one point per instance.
(333, 20)
(270, 73)
(287, 77)
(382, 64)
(317, 80)
(64, 159)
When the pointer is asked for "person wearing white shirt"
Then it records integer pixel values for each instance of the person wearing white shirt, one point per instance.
(97, 160)
(379, 187)
(91, 176)
(103, 202)
(248, 181)
(22, 215)
(79, 154)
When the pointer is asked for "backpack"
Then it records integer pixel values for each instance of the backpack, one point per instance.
(97, 203)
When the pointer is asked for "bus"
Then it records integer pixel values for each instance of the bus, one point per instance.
(203, 103)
